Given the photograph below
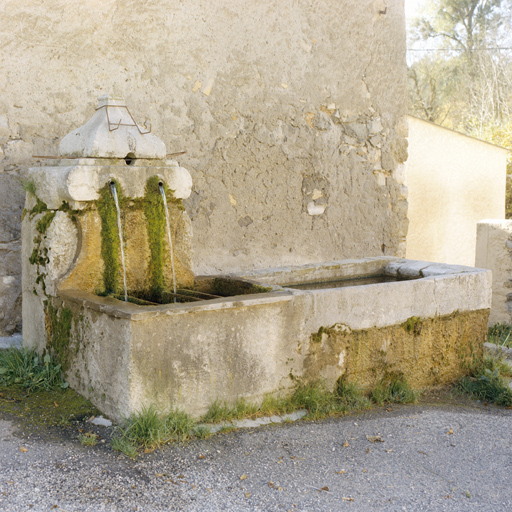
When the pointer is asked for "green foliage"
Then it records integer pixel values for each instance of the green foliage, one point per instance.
(321, 403)
(44, 222)
(24, 368)
(201, 432)
(150, 429)
(464, 81)
(120, 444)
(488, 385)
(393, 389)
(486, 380)
(28, 186)
(221, 411)
(110, 243)
(351, 395)
(88, 439)
(272, 405)
(500, 334)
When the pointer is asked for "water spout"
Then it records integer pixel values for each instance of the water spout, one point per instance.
(114, 193)
(162, 193)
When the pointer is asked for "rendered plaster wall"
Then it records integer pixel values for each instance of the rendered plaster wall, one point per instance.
(454, 181)
(292, 115)
(494, 252)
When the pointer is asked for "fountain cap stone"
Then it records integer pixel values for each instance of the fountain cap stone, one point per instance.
(112, 133)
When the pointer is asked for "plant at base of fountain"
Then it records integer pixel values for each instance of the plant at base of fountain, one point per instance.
(24, 368)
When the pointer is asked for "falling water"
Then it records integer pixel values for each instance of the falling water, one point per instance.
(114, 193)
(162, 193)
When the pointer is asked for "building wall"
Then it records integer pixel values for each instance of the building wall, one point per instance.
(453, 182)
(494, 252)
(292, 116)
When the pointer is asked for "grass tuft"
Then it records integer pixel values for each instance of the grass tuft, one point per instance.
(24, 368)
(500, 334)
(149, 429)
(88, 439)
(393, 390)
(221, 411)
(487, 381)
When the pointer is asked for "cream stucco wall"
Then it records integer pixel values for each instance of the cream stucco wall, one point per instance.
(292, 115)
(453, 182)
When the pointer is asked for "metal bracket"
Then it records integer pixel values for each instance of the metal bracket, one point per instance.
(115, 126)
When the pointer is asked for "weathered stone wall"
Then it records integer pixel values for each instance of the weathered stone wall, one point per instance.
(494, 252)
(292, 115)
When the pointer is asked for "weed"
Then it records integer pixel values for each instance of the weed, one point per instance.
(351, 395)
(486, 379)
(24, 368)
(201, 432)
(272, 405)
(393, 389)
(124, 446)
(500, 334)
(488, 385)
(28, 186)
(150, 429)
(221, 411)
(88, 439)
(226, 428)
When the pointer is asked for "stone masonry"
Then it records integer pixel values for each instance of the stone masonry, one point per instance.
(292, 116)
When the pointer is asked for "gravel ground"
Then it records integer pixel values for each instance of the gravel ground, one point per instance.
(416, 458)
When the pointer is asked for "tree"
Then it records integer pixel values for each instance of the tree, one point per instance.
(464, 80)
(466, 36)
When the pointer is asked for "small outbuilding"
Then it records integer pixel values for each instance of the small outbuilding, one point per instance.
(454, 181)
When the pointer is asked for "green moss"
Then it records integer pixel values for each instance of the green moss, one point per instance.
(58, 407)
(44, 222)
(413, 324)
(316, 337)
(58, 328)
(154, 211)
(110, 243)
(226, 287)
(39, 207)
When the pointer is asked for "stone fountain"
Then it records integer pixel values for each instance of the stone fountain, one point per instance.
(223, 337)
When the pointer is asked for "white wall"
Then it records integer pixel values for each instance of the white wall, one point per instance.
(454, 181)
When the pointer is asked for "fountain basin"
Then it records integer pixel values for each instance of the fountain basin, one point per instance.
(427, 325)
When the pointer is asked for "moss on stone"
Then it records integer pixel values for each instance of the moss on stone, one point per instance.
(429, 351)
(226, 287)
(110, 243)
(412, 324)
(154, 211)
(316, 337)
(58, 407)
(44, 222)
(39, 207)
(58, 323)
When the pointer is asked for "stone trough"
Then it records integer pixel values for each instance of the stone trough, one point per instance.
(243, 335)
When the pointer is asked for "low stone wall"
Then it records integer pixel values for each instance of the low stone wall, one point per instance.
(494, 252)
(123, 356)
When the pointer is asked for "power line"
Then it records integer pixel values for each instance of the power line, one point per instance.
(456, 49)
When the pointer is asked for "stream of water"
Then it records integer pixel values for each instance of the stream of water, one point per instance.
(162, 193)
(114, 193)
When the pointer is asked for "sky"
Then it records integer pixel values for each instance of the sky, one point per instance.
(411, 7)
